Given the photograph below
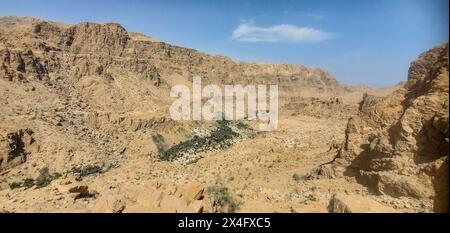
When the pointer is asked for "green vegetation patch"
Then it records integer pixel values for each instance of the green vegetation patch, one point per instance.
(220, 138)
(222, 199)
(43, 180)
(83, 171)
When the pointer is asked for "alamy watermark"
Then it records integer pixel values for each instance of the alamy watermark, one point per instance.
(230, 106)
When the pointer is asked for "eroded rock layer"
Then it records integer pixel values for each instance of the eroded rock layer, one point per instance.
(398, 145)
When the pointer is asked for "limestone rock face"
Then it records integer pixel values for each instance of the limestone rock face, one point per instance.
(14, 148)
(103, 49)
(368, 101)
(109, 38)
(405, 152)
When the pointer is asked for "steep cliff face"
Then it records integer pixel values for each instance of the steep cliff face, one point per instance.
(398, 146)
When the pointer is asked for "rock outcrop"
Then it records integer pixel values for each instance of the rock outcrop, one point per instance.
(398, 146)
(14, 148)
(341, 203)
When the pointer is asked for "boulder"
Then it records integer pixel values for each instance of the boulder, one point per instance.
(342, 203)
(397, 186)
(192, 191)
(110, 204)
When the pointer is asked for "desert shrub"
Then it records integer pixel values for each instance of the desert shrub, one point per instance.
(242, 125)
(28, 183)
(86, 171)
(222, 199)
(296, 177)
(15, 185)
(45, 178)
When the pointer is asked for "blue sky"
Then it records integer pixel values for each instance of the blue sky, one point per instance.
(366, 42)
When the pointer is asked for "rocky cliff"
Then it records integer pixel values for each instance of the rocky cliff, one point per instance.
(109, 46)
(398, 145)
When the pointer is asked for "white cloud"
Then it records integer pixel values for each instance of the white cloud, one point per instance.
(283, 32)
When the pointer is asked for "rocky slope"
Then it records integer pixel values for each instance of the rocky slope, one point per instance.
(398, 145)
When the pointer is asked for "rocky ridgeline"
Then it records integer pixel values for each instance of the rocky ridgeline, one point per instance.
(97, 49)
(319, 107)
(398, 146)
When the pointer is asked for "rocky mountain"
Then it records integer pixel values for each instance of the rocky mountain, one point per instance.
(109, 46)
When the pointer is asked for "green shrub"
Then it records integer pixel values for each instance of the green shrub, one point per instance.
(28, 183)
(86, 171)
(222, 199)
(15, 185)
(43, 180)
(296, 177)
